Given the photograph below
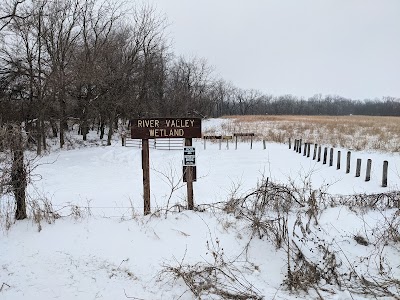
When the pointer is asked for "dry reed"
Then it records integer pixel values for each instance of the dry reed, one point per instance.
(351, 132)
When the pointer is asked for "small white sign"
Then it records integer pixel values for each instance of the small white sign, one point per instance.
(189, 156)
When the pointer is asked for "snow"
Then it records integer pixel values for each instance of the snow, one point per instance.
(111, 250)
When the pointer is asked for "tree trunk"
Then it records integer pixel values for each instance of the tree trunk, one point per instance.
(63, 109)
(116, 119)
(38, 138)
(84, 115)
(63, 122)
(102, 126)
(54, 128)
(43, 133)
(84, 126)
(18, 175)
(111, 127)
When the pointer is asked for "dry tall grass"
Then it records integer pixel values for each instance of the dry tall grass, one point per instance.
(351, 132)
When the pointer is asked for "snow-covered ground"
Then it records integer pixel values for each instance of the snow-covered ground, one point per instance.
(110, 178)
(104, 248)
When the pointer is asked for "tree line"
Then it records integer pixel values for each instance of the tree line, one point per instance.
(315, 105)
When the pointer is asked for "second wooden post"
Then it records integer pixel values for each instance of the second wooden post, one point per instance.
(146, 175)
(189, 183)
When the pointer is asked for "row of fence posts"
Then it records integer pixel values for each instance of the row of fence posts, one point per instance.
(219, 138)
(297, 147)
(228, 138)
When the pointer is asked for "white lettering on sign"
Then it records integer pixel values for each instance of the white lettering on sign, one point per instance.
(148, 123)
(180, 123)
(169, 123)
(166, 132)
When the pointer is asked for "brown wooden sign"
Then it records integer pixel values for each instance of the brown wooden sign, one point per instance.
(166, 128)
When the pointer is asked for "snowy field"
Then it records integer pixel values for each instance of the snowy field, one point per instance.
(104, 248)
(111, 177)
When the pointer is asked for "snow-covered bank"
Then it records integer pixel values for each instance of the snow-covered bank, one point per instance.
(110, 178)
(103, 248)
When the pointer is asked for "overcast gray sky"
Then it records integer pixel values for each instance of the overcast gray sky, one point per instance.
(301, 47)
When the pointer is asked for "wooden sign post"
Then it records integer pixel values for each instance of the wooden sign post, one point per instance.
(151, 128)
(146, 175)
(190, 164)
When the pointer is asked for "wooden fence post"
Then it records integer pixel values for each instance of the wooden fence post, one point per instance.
(315, 152)
(305, 149)
(236, 143)
(331, 158)
(338, 161)
(319, 153)
(220, 142)
(123, 141)
(251, 142)
(368, 172)
(308, 149)
(385, 173)
(358, 167)
(290, 144)
(348, 162)
(325, 155)
(299, 148)
(264, 144)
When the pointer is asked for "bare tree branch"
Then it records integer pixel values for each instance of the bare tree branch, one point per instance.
(11, 13)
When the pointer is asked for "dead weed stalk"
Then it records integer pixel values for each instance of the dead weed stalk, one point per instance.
(214, 279)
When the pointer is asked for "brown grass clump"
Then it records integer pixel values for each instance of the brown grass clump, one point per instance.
(352, 132)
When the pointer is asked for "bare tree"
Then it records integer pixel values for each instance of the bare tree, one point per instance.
(246, 99)
(61, 29)
(149, 40)
(24, 53)
(98, 26)
(221, 99)
(10, 11)
(189, 87)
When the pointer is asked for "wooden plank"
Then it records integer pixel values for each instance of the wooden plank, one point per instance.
(243, 134)
(212, 137)
(227, 137)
